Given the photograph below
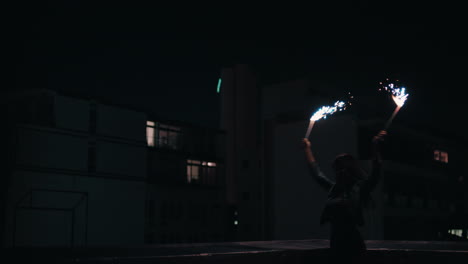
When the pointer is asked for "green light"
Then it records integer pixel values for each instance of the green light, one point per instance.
(219, 85)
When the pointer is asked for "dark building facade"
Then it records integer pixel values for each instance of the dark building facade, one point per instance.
(85, 173)
(186, 197)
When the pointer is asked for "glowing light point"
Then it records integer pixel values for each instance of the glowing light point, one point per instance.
(218, 89)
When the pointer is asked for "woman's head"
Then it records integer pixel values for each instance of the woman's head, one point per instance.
(347, 169)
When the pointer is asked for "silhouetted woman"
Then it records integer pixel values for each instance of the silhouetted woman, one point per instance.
(346, 199)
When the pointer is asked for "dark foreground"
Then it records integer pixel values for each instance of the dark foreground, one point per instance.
(280, 251)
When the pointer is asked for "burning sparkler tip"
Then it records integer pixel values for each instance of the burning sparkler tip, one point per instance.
(399, 94)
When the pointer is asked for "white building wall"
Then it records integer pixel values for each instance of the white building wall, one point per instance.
(121, 158)
(48, 148)
(71, 113)
(115, 213)
(52, 164)
(117, 122)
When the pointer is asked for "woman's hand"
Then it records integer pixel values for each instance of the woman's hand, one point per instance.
(306, 143)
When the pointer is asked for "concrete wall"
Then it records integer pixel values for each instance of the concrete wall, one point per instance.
(187, 215)
(114, 216)
(48, 148)
(121, 158)
(52, 193)
(71, 113)
(117, 122)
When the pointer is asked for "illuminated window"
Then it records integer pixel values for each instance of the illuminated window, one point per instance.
(162, 136)
(441, 156)
(150, 133)
(444, 157)
(203, 172)
(193, 170)
(456, 232)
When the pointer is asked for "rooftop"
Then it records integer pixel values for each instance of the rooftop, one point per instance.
(279, 251)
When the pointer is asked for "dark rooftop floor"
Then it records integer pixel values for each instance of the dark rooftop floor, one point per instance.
(299, 250)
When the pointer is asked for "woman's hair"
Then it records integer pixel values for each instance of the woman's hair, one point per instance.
(346, 160)
(341, 159)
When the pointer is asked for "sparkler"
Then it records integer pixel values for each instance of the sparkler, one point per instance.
(323, 112)
(399, 96)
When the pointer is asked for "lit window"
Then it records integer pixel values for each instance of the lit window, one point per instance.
(441, 156)
(193, 170)
(150, 133)
(456, 232)
(162, 136)
(203, 172)
(444, 157)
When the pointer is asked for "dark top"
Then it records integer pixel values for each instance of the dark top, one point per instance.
(345, 204)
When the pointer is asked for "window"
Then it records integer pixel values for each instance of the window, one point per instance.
(441, 156)
(150, 133)
(162, 136)
(203, 172)
(456, 232)
(193, 170)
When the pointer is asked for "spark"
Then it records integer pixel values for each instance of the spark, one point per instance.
(325, 111)
(399, 94)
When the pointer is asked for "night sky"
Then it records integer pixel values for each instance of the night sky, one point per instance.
(139, 55)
